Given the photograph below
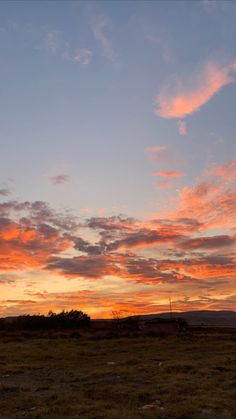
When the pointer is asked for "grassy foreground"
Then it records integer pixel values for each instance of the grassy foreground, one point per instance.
(144, 377)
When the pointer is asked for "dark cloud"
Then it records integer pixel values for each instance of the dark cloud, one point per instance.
(85, 266)
(39, 212)
(213, 242)
(144, 237)
(59, 179)
(86, 247)
(5, 192)
(126, 266)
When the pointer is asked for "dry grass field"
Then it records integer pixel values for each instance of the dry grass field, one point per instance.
(192, 376)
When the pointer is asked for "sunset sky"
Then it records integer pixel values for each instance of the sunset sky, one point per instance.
(118, 156)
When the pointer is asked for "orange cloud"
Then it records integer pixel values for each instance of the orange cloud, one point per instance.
(212, 203)
(179, 101)
(96, 303)
(32, 239)
(168, 174)
(210, 267)
(22, 247)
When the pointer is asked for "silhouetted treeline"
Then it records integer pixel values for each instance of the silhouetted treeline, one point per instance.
(64, 320)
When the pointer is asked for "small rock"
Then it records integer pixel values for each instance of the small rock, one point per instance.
(149, 406)
(154, 405)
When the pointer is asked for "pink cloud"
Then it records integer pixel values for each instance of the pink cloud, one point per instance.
(80, 55)
(102, 210)
(87, 210)
(226, 171)
(181, 100)
(157, 153)
(167, 178)
(182, 126)
(163, 183)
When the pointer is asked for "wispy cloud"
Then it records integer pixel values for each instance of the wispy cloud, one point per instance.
(82, 56)
(183, 99)
(100, 25)
(210, 5)
(54, 43)
(59, 179)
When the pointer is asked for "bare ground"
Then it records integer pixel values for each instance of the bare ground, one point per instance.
(188, 377)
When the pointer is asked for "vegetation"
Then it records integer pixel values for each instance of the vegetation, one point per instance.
(56, 375)
(64, 320)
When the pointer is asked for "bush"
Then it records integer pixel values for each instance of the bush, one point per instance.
(64, 320)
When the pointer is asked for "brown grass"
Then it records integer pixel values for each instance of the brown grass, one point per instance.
(178, 377)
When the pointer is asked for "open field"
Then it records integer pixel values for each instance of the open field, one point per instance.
(192, 376)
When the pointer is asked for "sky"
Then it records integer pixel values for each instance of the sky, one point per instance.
(118, 156)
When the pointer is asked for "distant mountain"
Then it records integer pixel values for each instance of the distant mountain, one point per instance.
(202, 317)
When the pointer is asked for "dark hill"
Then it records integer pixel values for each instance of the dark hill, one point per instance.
(202, 317)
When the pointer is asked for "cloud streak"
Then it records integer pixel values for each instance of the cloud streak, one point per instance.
(168, 174)
(183, 99)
